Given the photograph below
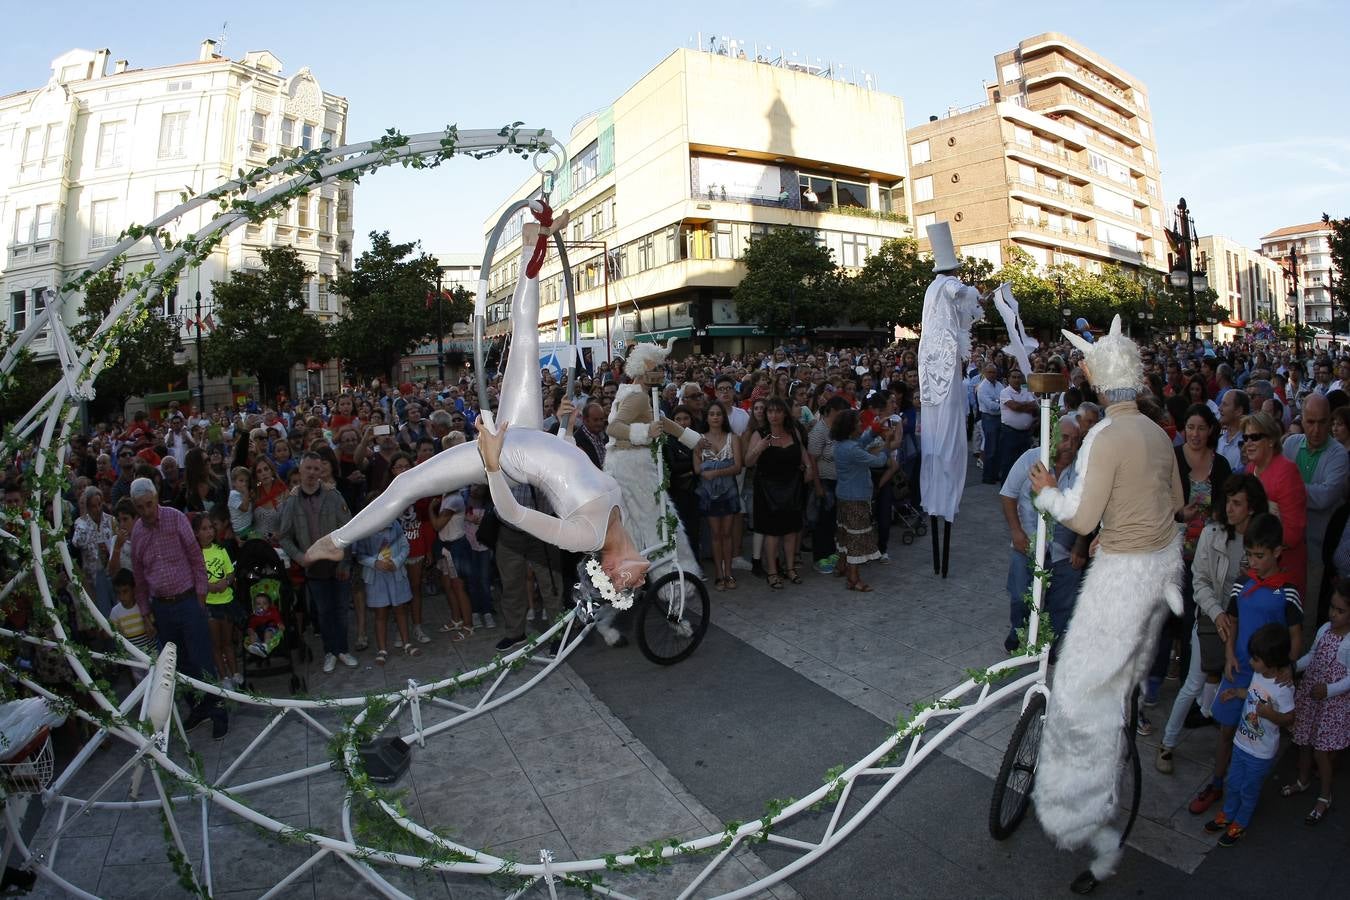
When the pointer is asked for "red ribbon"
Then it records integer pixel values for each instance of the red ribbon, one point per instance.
(545, 218)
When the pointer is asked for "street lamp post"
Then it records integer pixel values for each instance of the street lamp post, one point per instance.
(201, 367)
(440, 329)
(1294, 298)
(1187, 277)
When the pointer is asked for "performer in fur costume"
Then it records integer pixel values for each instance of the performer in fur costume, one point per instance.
(1129, 485)
(629, 460)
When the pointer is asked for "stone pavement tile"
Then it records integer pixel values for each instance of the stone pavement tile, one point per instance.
(93, 823)
(994, 721)
(841, 642)
(476, 752)
(543, 713)
(80, 861)
(978, 755)
(140, 838)
(296, 890)
(574, 759)
(485, 813)
(908, 679)
(838, 682)
(1179, 850)
(325, 793)
(284, 802)
(880, 704)
(526, 850)
(150, 881)
(242, 858)
(335, 879)
(618, 813)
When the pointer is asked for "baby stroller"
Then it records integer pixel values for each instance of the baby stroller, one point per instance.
(905, 483)
(260, 570)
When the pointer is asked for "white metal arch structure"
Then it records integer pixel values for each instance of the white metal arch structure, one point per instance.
(252, 197)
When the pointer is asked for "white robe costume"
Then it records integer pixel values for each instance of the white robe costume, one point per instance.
(949, 309)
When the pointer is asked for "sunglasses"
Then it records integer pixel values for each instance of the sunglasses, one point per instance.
(1246, 438)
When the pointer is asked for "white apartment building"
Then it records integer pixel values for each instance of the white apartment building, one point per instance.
(1315, 268)
(704, 152)
(458, 271)
(101, 146)
(1252, 287)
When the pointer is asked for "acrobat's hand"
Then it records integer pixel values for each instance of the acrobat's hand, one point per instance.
(490, 438)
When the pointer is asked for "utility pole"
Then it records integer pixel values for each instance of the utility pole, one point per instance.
(1295, 299)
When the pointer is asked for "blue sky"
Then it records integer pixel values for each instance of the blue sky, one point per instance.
(1251, 122)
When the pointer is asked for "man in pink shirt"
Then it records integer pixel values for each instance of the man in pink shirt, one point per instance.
(171, 579)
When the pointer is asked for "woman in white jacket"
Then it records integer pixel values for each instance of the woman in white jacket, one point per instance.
(1218, 564)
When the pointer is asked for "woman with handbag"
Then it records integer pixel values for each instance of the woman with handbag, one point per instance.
(1217, 565)
(718, 500)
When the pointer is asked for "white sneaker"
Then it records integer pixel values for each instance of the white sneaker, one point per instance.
(741, 562)
(884, 559)
(477, 620)
(489, 621)
(329, 663)
(348, 660)
(398, 643)
(420, 635)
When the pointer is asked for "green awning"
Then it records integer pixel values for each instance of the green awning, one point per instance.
(243, 381)
(669, 334)
(745, 331)
(166, 397)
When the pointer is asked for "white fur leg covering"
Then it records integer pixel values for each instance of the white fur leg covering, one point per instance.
(1107, 853)
(1107, 649)
(604, 623)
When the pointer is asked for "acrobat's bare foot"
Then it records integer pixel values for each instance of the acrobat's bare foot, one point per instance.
(324, 548)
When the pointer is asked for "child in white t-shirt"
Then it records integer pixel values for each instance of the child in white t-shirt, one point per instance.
(240, 502)
(1268, 705)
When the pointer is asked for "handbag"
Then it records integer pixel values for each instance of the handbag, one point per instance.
(489, 528)
(710, 490)
(1213, 652)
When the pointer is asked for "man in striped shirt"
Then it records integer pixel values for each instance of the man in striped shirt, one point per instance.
(170, 573)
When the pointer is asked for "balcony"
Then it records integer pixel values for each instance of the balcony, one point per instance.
(1082, 240)
(1059, 98)
(1086, 78)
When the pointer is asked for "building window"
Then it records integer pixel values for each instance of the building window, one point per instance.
(172, 134)
(23, 225)
(325, 215)
(329, 140)
(258, 130)
(1097, 163)
(816, 193)
(923, 189)
(111, 139)
(1011, 72)
(302, 211)
(1022, 135)
(919, 153)
(287, 132)
(851, 193)
(165, 201)
(42, 146)
(18, 311)
(44, 221)
(32, 148)
(102, 230)
(722, 242)
(854, 251)
(923, 221)
(39, 301)
(307, 136)
(585, 166)
(175, 87)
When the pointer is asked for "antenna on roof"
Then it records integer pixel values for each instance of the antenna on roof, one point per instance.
(224, 29)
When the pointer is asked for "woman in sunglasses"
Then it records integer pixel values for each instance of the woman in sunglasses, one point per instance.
(1261, 436)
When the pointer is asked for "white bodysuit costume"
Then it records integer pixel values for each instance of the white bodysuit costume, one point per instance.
(949, 309)
(582, 497)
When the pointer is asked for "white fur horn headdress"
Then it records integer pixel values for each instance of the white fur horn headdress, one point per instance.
(645, 356)
(1113, 361)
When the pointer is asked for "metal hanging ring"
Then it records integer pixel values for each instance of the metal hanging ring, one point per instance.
(556, 161)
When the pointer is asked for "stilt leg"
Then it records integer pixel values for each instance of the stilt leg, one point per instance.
(946, 546)
(933, 530)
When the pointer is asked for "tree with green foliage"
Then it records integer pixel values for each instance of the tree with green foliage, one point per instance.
(143, 361)
(262, 323)
(390, 306)
(889, 290)
(790, 281)
(1340, 265)
(26, 383)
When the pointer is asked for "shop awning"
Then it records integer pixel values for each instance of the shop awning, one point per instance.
(166, 397)
(669, 334)
(1234, 323)
(744, 331)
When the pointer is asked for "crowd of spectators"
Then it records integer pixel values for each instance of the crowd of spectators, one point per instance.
(808, 450)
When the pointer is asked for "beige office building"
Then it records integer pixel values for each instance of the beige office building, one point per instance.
(703, 153)
(1059, 160)
(1252, 287)
(1315, 267)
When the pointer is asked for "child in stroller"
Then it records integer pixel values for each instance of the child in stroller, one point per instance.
(260, 573)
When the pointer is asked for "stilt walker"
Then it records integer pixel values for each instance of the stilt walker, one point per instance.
(949, 309)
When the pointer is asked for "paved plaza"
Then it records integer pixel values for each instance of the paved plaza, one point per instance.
(612, 751)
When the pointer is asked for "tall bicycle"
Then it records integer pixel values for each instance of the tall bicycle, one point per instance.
(1017, 774)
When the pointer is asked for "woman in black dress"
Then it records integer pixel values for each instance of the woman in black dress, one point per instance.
(782, 470)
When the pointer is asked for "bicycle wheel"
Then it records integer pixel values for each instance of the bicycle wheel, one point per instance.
(1017, 774)
(672, 618)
